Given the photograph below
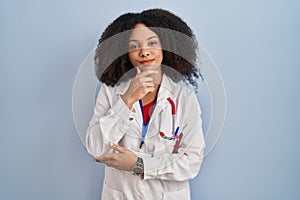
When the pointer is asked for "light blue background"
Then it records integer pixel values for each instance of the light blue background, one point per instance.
(255, 44)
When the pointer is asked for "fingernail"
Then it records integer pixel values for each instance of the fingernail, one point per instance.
(111, 144)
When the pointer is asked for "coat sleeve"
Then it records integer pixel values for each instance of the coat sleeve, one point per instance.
(109, 122)
(186, 163)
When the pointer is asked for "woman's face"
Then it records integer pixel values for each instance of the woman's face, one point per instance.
(144, 47)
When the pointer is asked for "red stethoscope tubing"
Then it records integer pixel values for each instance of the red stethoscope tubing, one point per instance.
(173, 111)
(173, 118)
(172, 105)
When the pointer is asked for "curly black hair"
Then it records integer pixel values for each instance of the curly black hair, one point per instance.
(178, 43)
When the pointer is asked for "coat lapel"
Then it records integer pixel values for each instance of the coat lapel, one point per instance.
(166, 89)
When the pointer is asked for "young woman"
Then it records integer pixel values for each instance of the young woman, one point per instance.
(146, 128)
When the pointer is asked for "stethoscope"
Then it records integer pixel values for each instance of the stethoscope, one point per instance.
(162, 134)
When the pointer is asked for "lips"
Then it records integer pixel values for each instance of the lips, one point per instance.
(147, 62)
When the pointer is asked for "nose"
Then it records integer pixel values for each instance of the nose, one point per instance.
(144, 52)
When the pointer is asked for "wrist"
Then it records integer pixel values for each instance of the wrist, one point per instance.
(138, 169)
(127, 101)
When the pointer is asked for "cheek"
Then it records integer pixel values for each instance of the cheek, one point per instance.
(160, 55)
(131, 57)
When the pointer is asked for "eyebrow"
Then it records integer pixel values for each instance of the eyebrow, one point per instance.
(149, 38)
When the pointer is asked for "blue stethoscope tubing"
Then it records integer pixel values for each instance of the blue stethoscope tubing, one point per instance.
(144, 126)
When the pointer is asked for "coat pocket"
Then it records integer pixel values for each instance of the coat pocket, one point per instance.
(183, 193)
(110, 194)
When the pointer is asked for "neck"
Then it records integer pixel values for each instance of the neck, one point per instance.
(151, 96)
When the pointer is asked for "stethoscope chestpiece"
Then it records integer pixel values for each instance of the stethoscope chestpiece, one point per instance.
(166, 137)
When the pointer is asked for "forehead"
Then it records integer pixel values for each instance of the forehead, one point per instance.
(141, 32)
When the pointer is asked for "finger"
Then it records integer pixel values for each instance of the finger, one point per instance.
(117, 147)
(149, 89)
(138, 70)
(149, 84)
(104, 158)
(148, 72)
(108, 163)
(113, 164)
(149, 67)
(98, 159)
(146, 79)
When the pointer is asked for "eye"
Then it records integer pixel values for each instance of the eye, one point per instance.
(132, 46)
(153, 43)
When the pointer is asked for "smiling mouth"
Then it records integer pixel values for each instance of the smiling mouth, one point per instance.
(147, 62)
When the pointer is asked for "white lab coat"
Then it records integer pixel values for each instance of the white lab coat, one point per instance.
(166, 175)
